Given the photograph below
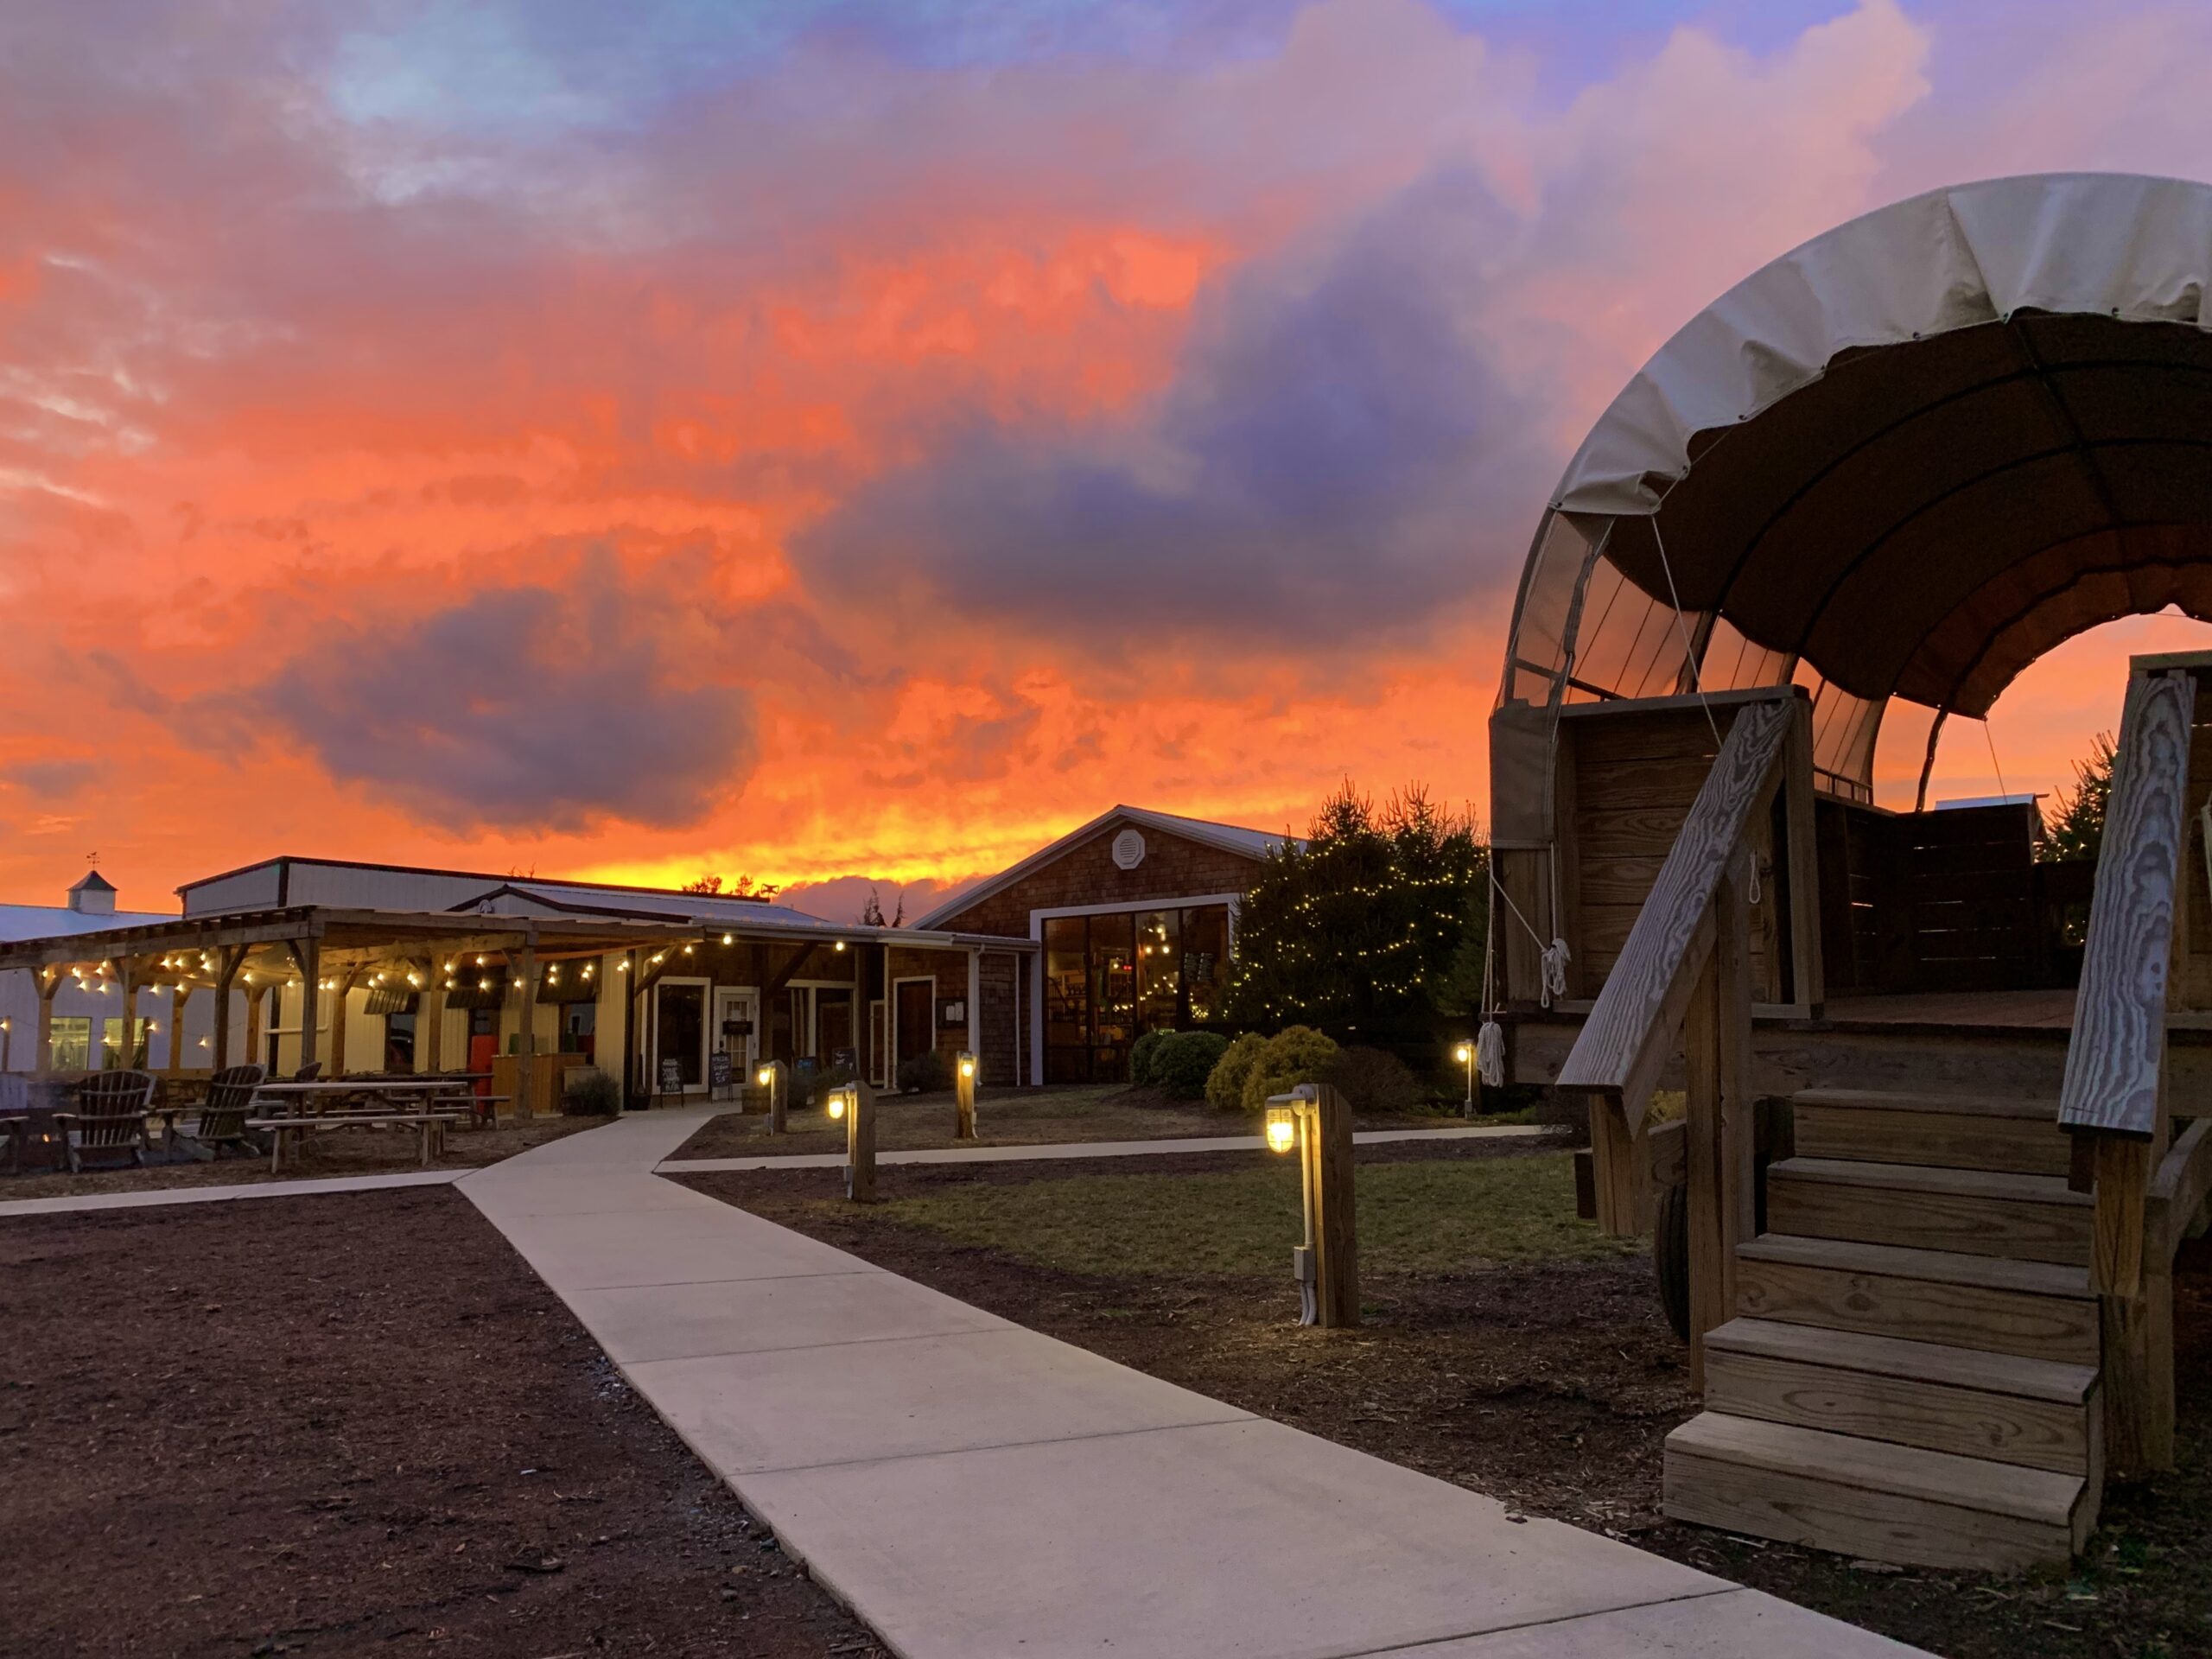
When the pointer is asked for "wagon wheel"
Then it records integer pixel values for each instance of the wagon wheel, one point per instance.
(1670, 1254)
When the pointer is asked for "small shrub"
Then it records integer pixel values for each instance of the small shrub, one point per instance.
(925, 1074)
(1373, 1080)
(1184, 1062)
(1226, 1083)
(1142, 1053)
(1294, 1055)
(589, 1092)
(816, 1087)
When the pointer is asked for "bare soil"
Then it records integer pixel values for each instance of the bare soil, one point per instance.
(352, 1424)
(1552, 1387)
(1010, 1117)
(358, 1151)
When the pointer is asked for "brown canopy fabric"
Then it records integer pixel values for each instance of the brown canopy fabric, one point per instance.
(1905, 459)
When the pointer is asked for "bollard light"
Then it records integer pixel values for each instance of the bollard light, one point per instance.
(763, 1077)
(968, 1067)
(839, 1100)
(1283, 1128)
(1465, 1055)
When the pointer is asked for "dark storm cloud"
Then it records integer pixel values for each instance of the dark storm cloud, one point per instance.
(1335, 451)
(524, 707)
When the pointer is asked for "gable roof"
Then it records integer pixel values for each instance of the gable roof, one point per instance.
(92, 882)
(1255, 844)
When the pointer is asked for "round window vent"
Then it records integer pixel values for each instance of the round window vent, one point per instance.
(1129, 849)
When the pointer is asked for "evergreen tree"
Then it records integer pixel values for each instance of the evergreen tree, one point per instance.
(2075, 828)
(1367, 921)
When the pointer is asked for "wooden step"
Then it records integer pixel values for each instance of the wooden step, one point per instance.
(2033, 1412)
(1978, 1211)
(1953, 1132)
(1869, 1499)
(2040, 1310)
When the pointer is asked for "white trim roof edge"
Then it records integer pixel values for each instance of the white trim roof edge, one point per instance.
(1254, 844)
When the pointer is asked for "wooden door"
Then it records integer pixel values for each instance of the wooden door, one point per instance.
(917, 1017)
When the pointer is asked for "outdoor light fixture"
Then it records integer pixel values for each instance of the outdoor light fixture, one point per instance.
(1465, 1055)
(765, 1078)
(854, 1103)
(835, 1104)
(729, 938)
(841, 944)
(968, 1067)
(480, 962)
(964, 1072)
(1312, 1119)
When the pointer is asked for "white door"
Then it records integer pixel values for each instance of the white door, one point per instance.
(741, 1007)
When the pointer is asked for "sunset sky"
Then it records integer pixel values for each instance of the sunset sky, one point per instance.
(838, 441)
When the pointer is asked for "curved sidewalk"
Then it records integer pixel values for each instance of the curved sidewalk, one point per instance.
(974, 1489)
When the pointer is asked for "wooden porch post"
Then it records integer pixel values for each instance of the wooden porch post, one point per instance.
(309, 953)
(180, 1005)
(42, 1062)
(231, 957)
(125, 1050)
(526, 1037)
(430, 1029)
(342, 988)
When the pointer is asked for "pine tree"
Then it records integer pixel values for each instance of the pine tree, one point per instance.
(2075, 829)
(1366, 922)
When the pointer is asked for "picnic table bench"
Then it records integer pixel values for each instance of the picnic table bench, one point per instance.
(432, 1125)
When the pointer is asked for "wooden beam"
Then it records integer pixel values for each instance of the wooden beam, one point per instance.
(227, 965)
(49, 981)
(2135, 1310)
(526, 1037)
(1808, 974)
(2179, 1192)
(341, 990)
(307, 955)
(2115, 1064)
(1632, 1030)
(1719, 1130)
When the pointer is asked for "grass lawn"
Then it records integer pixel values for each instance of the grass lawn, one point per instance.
(1412, 1216)
(1011, 1117)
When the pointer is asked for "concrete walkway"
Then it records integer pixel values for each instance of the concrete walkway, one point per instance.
(141, 1199)
(1028, 1150)
(977, 1490)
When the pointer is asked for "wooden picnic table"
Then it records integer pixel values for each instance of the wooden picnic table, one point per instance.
(432, 1125)
(325, 1088)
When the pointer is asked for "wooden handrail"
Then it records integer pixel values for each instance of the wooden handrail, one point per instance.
(1632, 1026)
(2115, 1063)
(2179, 1190)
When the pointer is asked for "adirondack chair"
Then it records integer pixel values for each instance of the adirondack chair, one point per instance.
(308, 1073)
(222, 1119)
(110, 1119)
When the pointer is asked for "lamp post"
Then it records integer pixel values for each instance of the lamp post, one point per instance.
(1313, 1120)
(1465, 1055)
(776, 1079)
(853, 1105)
(963, 1081)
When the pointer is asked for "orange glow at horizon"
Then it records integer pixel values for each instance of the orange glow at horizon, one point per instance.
(873, 467)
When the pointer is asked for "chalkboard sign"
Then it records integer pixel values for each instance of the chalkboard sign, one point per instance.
(718, 1069)
(671, 1077)
(846, 1060)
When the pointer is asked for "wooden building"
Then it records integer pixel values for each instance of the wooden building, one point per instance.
(1918, 1216)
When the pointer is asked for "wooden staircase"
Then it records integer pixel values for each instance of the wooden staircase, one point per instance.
(1912, 1372)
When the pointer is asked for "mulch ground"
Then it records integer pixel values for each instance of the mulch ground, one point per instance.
(349, 1425)
(1551, 1388)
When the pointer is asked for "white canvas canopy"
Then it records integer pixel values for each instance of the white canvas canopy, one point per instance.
(1904, 459)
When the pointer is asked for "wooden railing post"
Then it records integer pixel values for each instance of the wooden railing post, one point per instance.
(2114, 1096)
(1719, 1130)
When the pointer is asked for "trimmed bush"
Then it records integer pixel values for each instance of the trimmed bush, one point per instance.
(1141, 1056)
(1294, 1055)
(1226, 1083)
(1185, 1060)
(1373, 1080)
(816, 1090)
(925, 1074)
(590, 1092)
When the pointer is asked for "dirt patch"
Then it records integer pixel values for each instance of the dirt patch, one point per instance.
(1552, 1387)
(349, 1425)
(344, 1152)
(1016, 1117)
